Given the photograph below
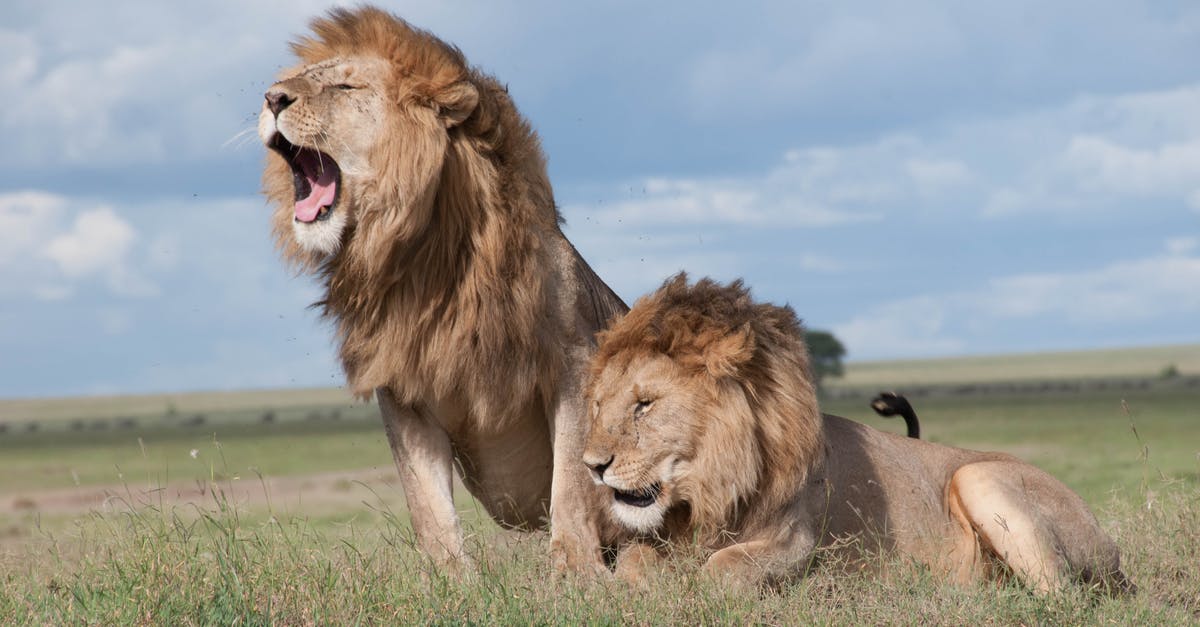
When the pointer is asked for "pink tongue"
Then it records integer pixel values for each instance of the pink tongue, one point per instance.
(324, 188)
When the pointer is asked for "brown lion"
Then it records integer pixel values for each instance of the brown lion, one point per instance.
(407, 181)
(705, 427)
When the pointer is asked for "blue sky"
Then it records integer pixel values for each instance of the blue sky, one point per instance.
(923, 178)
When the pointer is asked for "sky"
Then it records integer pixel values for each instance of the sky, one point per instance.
(922, 178)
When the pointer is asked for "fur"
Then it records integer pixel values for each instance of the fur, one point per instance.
(730, 348)
(453, 292)
(716, 387)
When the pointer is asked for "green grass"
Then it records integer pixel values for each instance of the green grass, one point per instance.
(161, 456)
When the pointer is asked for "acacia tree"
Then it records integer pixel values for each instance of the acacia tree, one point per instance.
(825, 353)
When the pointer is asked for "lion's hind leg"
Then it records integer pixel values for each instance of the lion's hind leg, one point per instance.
(1034, 524)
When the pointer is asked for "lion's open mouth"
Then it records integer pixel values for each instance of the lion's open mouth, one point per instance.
(316, 177)
(639, 498)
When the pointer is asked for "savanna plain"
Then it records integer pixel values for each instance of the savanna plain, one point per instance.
(283, 507)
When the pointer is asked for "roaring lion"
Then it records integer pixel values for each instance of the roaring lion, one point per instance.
(706, 428)
(408, 183)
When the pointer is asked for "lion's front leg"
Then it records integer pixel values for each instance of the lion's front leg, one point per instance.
(764, 561)
(425, 460)
(636, 561)
(574, 512)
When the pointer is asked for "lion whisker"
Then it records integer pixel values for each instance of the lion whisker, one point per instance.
(241, 137)
(323, 134)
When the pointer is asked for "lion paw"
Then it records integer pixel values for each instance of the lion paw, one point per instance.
(568, 559)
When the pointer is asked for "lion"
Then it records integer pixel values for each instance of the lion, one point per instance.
(706, 428)
(410, 185)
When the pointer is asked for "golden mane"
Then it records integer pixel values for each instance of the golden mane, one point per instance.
(440, 285)
(719, 334)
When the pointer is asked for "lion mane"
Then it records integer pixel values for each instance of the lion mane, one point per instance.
(454, 295)
(717, 333)
(429, 296)
(706, 429)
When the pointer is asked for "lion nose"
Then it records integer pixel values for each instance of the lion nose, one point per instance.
(599, 468)
(278, 100)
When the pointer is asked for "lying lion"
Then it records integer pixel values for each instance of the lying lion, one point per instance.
(705, 427)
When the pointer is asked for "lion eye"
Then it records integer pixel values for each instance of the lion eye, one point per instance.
(641, 408)
(345, 86)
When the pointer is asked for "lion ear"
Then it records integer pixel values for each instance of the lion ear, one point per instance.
(724, 356)
(456, 103)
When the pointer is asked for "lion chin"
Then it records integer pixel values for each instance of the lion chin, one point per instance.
(640, 506)
(705, 428)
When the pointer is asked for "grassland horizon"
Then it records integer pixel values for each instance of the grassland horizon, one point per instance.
(1126, 362)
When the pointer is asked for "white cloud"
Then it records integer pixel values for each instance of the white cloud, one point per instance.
(814, 187)
(932, 175)
(897, 140)
(1108, 166)
(1092, 154)
(97, 241)
(47, 254)
(878, 61)
(731, 202)
(132, 82)
(68, 113)
(1127, 153)
(908, 327)
(99, 244)
(1113, 297)
(27, 219)
(20, 59)
(1182, 245)
(1132, 291)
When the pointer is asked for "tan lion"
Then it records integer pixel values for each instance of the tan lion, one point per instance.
(407, 182)
(705, 427)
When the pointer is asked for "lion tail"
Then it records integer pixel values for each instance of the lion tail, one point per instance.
(891, 404)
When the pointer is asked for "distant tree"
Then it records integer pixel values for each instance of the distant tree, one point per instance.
(825, 352)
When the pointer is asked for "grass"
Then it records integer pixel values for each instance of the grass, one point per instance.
(208, 565)
(21, 409)
(301, 521)
(160, 456)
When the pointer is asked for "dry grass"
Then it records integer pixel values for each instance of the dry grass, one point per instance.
(90, 407)
(207, 565)
(1105, 364)
(228, 559)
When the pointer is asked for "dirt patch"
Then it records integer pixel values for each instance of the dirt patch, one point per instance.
(314, 493)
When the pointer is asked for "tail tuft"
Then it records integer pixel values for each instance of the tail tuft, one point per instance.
(891, 404)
